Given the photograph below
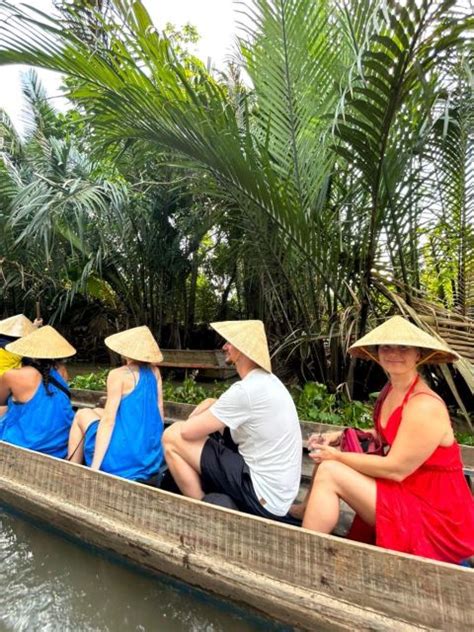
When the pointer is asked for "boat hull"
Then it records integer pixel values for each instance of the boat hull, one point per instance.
(296, 576)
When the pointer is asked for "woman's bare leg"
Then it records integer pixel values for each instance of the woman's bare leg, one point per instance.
(82, 420)
(332, 482)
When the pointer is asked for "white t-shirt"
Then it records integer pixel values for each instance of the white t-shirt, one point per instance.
(263, 422)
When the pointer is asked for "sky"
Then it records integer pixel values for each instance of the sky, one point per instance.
(215, 21)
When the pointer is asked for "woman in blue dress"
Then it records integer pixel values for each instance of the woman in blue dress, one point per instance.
(39, 412)
(124, 438)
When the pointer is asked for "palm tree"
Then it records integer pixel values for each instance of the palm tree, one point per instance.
(323, 158)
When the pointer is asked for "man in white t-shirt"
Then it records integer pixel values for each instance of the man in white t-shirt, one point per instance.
(257, 458)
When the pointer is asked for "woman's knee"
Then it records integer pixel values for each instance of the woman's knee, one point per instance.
(84, 417)
(81, 415)
(330, 470)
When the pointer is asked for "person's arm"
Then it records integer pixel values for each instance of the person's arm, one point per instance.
(421, 431)
(161, 407)
(201, 425)
(5, 388)
(107, 422)
(204, 405)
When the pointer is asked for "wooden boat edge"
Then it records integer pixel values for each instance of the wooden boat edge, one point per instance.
(335, 583)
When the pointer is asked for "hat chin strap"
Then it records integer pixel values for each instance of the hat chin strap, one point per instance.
(423, 360)
(371, 356)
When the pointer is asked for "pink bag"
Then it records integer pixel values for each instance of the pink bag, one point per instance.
(355, 440)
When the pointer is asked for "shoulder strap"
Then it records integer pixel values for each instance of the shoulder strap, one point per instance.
(134, 376)
(378, 405)
(410, 390)
(52, 380)
(429, 395)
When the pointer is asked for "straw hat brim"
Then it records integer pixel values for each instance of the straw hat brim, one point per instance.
(136, 344)
(399, 331)
(248, 336)
(44, 343)
(16, 326)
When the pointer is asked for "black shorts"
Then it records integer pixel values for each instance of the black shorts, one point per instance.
(223, 470)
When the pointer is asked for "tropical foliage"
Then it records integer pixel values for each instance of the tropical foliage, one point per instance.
(342, 162)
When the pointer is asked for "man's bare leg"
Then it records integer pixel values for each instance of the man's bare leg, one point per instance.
(184, 460)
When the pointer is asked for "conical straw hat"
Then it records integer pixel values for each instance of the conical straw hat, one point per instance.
(137, 344)
(16, 326)
(44, 343)
(399, 331)
(248, 336)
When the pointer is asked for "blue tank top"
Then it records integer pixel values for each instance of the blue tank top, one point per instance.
(134, 450)
(42, 423)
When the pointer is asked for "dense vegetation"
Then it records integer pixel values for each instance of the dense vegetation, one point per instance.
(331, 186)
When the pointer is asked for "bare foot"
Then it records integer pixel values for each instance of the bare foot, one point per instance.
(297, 510)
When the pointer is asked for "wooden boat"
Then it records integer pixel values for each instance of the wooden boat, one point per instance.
(296, 576)
(209, 363)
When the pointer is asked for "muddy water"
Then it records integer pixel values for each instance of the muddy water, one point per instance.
(50, 584)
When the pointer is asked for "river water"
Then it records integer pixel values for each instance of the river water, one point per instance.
(49, 584)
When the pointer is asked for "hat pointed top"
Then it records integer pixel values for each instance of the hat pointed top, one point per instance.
(399, 331)
(136, 344)
(248, 336)
(16, 326)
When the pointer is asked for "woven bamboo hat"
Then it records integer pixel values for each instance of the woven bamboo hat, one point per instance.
(16, 326)
(44, 343)
(399, 331)
(248, 336)
(137, 343)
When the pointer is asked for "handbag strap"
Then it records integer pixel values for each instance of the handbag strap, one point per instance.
(52, 380)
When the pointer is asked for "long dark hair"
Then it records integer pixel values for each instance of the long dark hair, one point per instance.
(44, 367)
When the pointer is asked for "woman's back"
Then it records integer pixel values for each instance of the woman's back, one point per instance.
(38, 417)
(134, 450)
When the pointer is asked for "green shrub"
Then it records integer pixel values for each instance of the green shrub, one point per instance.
(314, 403)
(92, 381)
(188, 392)
(467, 438)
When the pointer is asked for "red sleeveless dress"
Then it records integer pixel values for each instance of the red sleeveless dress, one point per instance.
(431, 512)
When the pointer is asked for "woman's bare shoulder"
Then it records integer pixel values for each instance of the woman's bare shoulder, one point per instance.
(118, 373)
(427, 400)
(21, 373)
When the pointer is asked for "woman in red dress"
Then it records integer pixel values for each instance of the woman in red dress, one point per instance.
(415, 498)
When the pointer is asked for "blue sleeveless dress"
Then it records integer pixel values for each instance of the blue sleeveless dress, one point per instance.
(135, 450)
(42, 423)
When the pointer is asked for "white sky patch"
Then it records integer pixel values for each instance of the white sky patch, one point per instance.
(215, 21)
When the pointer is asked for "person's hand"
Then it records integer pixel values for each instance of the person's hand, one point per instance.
(38, 322)
(324, 453)
(324, 438)
(207, 403)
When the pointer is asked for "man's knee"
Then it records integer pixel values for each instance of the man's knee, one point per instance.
(172, 435)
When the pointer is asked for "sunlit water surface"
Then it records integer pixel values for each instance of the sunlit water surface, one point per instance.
(48, 584)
